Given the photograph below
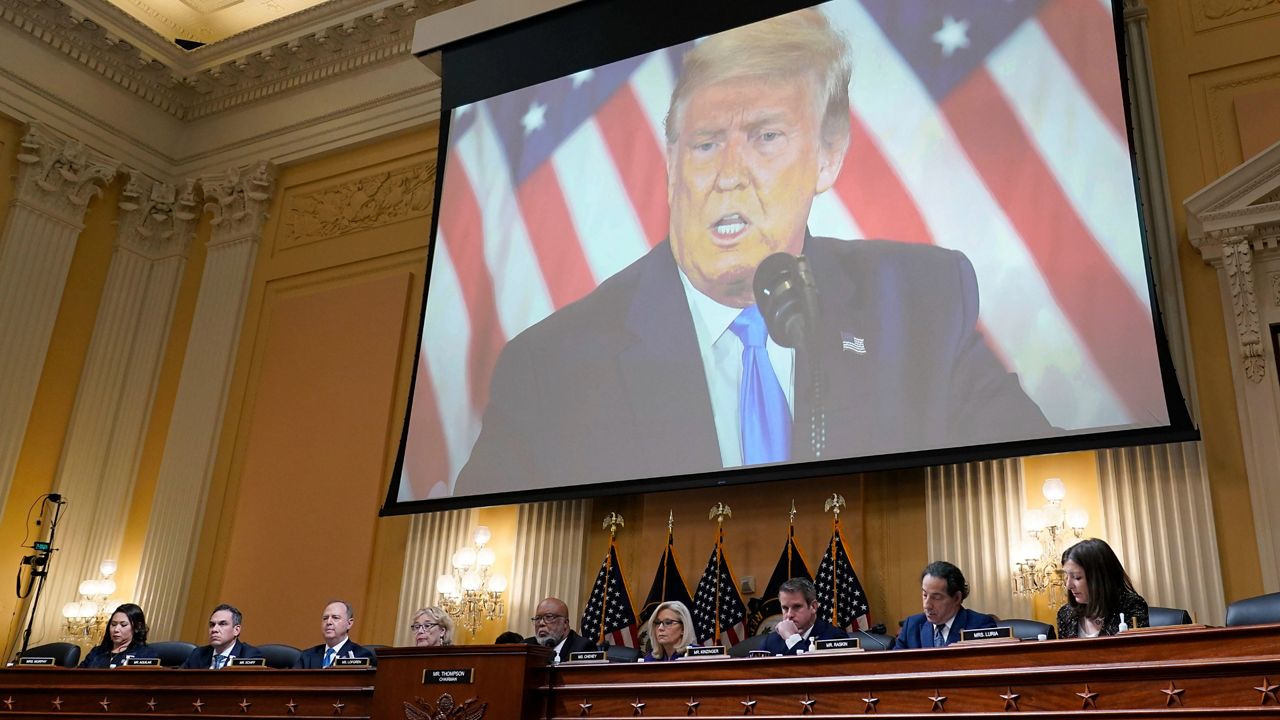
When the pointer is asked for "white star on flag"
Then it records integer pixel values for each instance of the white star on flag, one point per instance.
(535, 118)
(582, 78)
(953, 35)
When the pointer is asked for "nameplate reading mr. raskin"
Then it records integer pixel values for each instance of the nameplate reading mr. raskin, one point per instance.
(350, 662)
(708, 651)
(987, 633)
(451, 676)
(837, 644)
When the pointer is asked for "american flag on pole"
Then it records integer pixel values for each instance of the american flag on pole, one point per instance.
(993, 128)
(610, 616)
(719, 614)
(841, 600)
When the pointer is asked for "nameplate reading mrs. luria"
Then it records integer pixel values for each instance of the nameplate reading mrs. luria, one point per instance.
(995, 633)
(836, 644)
(37, 661)
(451, 676)
(248, 662)
(706, 651)
(349, 662)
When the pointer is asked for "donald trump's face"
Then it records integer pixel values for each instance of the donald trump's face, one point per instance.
(745, 165)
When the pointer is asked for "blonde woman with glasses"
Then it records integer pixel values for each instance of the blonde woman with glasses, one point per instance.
(432, 627)
(670, 632)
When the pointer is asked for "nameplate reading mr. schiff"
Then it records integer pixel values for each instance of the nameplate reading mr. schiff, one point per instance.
(349, 662)
(837, 644)
(248, 662)
(450, 676)
(706, 651)
(994, 633)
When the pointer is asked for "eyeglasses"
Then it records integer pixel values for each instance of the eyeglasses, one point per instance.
(546, 619)
(419, 627)
(667, 623)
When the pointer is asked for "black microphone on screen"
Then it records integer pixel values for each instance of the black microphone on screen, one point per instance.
(788, 298)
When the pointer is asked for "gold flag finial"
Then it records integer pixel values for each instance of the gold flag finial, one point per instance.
(833, 504)
(671, 521)
(792, 515)
(612, 522)
(720, 512)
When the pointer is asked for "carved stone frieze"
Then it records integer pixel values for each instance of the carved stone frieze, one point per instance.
(157, 219)
(1275, 288)
(1211, 14)
(60, 177)
(1237, 263)
(238, 200)
(359, 204)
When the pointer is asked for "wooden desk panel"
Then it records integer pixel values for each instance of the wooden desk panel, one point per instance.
(168, 693)
(505, 682)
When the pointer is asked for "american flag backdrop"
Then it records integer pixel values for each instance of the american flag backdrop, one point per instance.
(610, 616)
(841, 599)
(719, 613)
(993, 128)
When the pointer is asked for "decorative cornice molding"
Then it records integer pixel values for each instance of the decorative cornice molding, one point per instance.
(157, 220)
(238, 200)
(60, 177)
(287, 54)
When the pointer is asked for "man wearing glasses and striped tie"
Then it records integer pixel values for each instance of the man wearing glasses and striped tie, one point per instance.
(551, 629)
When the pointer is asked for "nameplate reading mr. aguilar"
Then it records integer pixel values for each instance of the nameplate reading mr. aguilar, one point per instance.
(141, 662)
(987, 633)
(451, 676)
(837, 644)
(707, 651)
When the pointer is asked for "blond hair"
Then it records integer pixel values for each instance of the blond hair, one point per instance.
(686, 622)
(441, 618)
(797, 44)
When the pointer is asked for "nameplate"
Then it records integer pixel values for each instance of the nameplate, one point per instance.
(450, 676)
(349, 662)
(248, 662)
(588, 656)
(705, 651)
(759, 654)
(36, 661)
(837, 644)
(995, 633)
(140, 662)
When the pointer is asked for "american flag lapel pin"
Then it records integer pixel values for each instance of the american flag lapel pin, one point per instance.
(852, 343)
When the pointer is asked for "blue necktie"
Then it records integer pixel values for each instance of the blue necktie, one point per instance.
(763, 416)
(938, 639)
(219, 662)
(328, 658)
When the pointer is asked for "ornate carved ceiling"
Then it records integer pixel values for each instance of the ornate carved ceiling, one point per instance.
(209, 21)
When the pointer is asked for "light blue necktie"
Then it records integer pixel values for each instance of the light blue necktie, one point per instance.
(219, 662)
(763, 416)
(328, 658)
(938, 639)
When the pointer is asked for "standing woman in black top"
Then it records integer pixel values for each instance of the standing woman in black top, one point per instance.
(125, 636)
(1098, 592)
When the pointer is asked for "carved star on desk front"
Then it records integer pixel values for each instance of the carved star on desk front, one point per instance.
(198, 705)
(748, 706)
(1089, 699)
(871, 700)
(586, 708)
(338, 705)
(105, 703)
(808, 702)
(57, 703)
(693, 707)
(938, 701)
(151, 704)
(1268, 691)
(244, 705)
(1010, 699)
(637, 707)
(292, 707)
(1172, 694)
(8, 703)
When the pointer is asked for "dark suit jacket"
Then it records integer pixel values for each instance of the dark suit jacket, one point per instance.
(918, 633)
(612, 387)
(202, 657)
(100, 658)
(822, 630)
(1133, 605)
(574, 643)
(313, 657)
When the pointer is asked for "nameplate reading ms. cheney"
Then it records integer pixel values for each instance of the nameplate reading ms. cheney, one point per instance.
(452, 676)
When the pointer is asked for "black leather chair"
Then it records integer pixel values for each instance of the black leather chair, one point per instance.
(1261, 610)
(173, 652)
(1163, 616)
(1028, 629)
(755, 642)
(64, 654)
(280, 657)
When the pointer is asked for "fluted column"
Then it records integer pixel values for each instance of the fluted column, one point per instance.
(974, 516)
(433, 538)
(113, 400)
(238, 201)
(1160, 520)
(550, 542)
(56, 181)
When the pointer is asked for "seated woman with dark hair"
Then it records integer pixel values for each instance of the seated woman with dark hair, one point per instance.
(124, 637)
(670, 632)
(1098, 593)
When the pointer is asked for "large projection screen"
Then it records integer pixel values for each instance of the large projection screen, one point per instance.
(971, 219)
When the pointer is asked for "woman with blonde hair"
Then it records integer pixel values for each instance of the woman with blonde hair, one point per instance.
(670, 632)
(432, 627)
